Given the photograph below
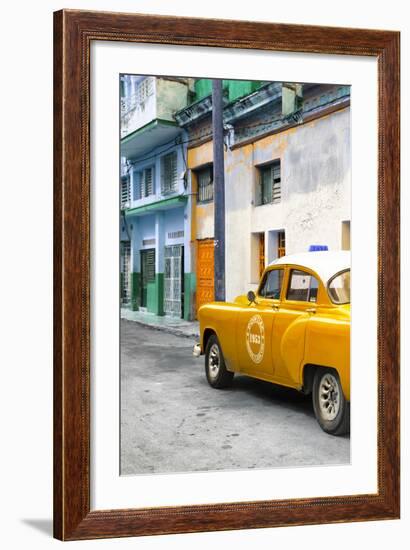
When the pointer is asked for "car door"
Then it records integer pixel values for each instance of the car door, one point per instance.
(254, 326)
(289, 328)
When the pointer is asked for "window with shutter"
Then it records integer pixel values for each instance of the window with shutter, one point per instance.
(270, 183)
(136, 184)
(125, 192)
(149, 187)
(276, 190)
(266, 183)
(169, 173)
(205, 184)
(143, 183)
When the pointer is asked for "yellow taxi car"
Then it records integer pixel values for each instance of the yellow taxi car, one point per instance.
(294, 331)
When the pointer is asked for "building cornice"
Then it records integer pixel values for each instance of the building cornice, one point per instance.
(194, 112)
(163, 204)
(149, 126)
(232, 111)
(299, 120)
(267, 94)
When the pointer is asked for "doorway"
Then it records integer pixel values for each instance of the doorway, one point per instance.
(147, 273)
(174, 280)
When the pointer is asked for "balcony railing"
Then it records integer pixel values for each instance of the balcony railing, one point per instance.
(144, 90)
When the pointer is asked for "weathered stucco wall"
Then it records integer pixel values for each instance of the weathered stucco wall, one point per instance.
(171, 97)
(205, 221)
(166, 97)
(315, 193)
(203, 215)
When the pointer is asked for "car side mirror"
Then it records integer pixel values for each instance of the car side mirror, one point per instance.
(251, 297)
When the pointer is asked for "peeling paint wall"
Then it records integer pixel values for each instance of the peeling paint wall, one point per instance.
(203, 214)
(205, 221)
(315, 200)
(315, 193)
(201, 155)
(171, 96)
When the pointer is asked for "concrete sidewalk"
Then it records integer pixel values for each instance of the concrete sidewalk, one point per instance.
(172, 325)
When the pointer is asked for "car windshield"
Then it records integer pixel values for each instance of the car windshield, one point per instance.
(339, 288)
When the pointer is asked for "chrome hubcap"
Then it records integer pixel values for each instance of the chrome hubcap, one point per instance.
(329, 397)
(214, 361)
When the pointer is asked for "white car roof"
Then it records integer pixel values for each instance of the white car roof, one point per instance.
(324, 262)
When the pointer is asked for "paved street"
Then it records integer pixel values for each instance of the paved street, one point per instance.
(173, 421)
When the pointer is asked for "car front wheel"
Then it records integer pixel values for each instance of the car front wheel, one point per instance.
(216, 373)
(332, 410)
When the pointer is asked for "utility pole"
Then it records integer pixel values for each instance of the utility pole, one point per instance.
(219, 190)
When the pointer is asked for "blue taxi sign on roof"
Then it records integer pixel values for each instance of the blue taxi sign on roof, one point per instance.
(318, 247)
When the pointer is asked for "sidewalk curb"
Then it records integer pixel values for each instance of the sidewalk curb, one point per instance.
(170, 330)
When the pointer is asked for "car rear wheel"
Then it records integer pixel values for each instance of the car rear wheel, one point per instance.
(332, 410)
(216, 373)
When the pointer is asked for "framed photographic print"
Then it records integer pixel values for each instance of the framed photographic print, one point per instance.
(226, 284)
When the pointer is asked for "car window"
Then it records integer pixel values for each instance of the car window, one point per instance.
(339, 288)
(303, 287)
(272, 284)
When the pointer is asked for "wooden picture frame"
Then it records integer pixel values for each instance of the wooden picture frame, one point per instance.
(74, 33)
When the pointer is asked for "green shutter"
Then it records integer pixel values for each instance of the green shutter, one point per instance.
(266, 185)
(149, 266)
(270, 183)
(276, 187)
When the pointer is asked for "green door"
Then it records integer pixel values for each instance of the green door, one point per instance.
(147, 272)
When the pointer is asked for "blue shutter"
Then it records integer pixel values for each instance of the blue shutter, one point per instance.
(136, 180)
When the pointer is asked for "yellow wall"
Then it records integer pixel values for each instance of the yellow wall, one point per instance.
(203, 214)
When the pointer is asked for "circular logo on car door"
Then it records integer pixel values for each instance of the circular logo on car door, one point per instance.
(255, 338)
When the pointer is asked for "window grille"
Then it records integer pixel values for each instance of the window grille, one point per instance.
(270, 183)
(136, 96)
(205, 184)
(173, 280)
(169, 175)
(145, 89)
(146, 242)
(175, 234)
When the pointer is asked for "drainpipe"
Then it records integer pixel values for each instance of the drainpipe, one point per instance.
(219, 190)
